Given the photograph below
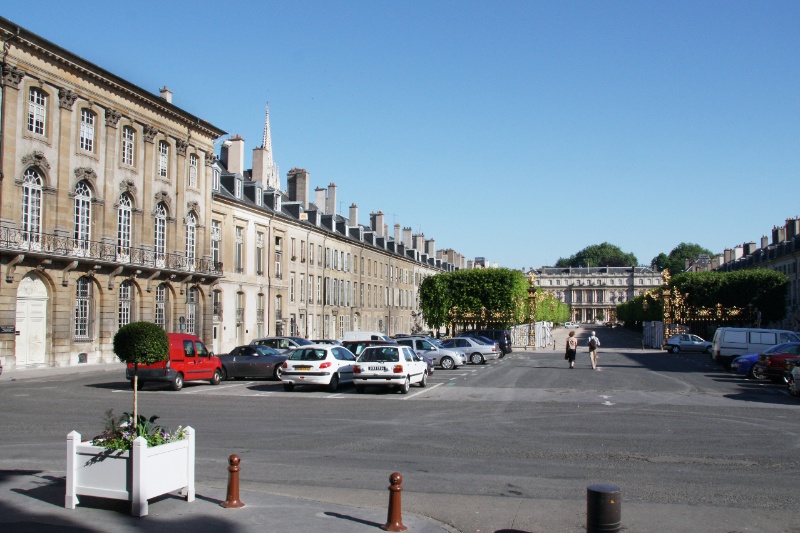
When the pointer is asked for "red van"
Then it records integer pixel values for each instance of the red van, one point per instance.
(189, 360)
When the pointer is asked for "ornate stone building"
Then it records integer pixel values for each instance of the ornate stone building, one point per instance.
(594, 292)
(105, 215)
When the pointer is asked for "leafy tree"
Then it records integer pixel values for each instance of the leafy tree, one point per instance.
(676, 260)
(140, 343)
(549, 308)
(435, 300)
(598, 255)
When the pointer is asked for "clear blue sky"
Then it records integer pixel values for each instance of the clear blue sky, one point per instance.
(519, 131)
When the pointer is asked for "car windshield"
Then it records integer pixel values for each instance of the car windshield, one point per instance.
(301, 341)
(307, 354)
(777, 348)
(482, 340)
(435, 342)
(264, 350)
(382, 355)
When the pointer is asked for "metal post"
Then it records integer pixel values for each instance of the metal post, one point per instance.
(232, 499)
(394, 520)
(603, 509)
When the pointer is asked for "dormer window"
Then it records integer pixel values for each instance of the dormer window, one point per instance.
(277, 202)
(259, 196)
(215, 180)
(238, 185)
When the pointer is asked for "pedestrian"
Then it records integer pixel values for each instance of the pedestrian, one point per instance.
(594, 344)
(572, 349)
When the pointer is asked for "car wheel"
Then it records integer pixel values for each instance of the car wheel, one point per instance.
(276, 374)
(334, 384)
(424, 381)
(757, 373)
(216, 378)
(447, 363)
(792, 388)
(752, 372)
(288, 387)
(177, 383)
(675, 349)
(406, 386)
(360, 389)
(475, 358)
(224, 374)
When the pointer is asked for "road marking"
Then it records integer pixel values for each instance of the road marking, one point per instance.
(409, 396)
(607, 403)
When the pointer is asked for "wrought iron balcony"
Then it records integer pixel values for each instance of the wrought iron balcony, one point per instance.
(48, 245)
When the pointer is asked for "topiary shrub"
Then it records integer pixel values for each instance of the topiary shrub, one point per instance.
(140, 343)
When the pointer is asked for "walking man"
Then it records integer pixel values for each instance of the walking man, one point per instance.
(594, 344)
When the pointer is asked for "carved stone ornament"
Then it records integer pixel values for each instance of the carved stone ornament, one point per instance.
(150, 133)
(128, 186)
(66, 98)
(211, 159)
(180, 147)
(86, 173)
(162, 196)
(32, 287)
(36, 159)
(192, 206)
(112, 117)
(12, 76)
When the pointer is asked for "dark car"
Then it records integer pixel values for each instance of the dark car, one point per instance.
(501, 336)
(356, 347)
(772, 365)
(252, 361)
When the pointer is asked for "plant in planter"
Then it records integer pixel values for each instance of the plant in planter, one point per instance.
(134, 459)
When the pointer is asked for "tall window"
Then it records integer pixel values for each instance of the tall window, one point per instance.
(160, 242)
(82, 218)
(37, 111)
(124, 228)
(216, 302)
(302, 289)
(193, 171)
(83, 307)
(191, 311)
(278, 310)
(215, 180)
(216, 237)
(260, 315)
(278, 258)
(239, 251)
(162, 299)
(259, 253)
(87, 130)
(163, 159)
(32, 208)
(291, 286)
(125, 309)
(128, 141)
(191, 240)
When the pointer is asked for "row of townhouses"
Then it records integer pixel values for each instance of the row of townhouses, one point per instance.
(115, 208)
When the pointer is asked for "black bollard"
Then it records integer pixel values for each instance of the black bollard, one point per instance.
(603, 509)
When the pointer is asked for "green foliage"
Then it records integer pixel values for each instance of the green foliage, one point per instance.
(119, 434)
(599, 255)
(141, 343)
(676, 260)
(644, 308)
(765, 290)
(549, 308)
(492, 292)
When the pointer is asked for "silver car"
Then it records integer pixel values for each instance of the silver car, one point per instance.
(281, 344)
(686, 342)
(477, 351)
(433, 350)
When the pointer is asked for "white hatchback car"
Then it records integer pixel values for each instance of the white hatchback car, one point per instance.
(389, 366)
(571, 325)
(318, 364)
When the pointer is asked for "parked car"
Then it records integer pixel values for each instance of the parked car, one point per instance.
(365, 335)
(326, 341)
(729, 343)
(428, 347)
(771, 365)
(571, 325)
(282, 344)
(686, 342)
(356, 347)
(317, 364)
(389, 366)
(252, 361)
(792, 381)
(189, 360)
(744, 365)
(501, 336)
(478, 352)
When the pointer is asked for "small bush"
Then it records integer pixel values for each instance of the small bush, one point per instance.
(142, 343)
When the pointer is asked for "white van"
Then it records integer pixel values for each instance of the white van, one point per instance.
(730, 343)
(365, 336)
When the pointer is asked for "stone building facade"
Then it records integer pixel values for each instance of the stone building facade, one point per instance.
(594, 292)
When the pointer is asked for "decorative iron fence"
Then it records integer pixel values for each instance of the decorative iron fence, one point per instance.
(46, 244)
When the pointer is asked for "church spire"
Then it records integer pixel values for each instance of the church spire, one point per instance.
(267, 142)
(264, 167)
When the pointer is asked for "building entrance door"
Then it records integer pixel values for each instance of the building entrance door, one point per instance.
(31, 321)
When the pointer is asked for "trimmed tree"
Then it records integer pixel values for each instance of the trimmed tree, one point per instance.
(140, 343)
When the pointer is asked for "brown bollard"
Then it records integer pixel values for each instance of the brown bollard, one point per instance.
(394, 519)
(603, 509)
(232, 499)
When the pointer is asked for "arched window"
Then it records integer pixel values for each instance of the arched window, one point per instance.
(125, 310)
(32, 208)
(82, 218)
(162, 305)
(160, 241)
(83, 309)
(87, 130)
(191, 241)
(128, 143)
(37, 111)
(191, 311)
(163, 158)
(124, 227)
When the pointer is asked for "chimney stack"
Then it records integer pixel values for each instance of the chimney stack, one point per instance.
(407, 238)
(353, 215)
(233, 150)
(320, 194)
(397, 233)
(330, 203)
(166, 94)
(297, 186)
(764, 241)
(376, 223)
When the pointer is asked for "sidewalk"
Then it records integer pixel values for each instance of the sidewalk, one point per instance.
(32, 501)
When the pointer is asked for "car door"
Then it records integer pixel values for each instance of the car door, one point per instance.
(345, 361)
(416, 367)
(697, 343)
(423, 347)
(233, 363)
(206, 365)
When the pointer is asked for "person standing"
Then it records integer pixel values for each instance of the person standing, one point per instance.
(572, 349)
(594, 344)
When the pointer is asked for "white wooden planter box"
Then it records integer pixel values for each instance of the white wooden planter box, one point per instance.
(136, 475)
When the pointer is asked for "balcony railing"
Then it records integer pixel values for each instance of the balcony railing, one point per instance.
(46, 244)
